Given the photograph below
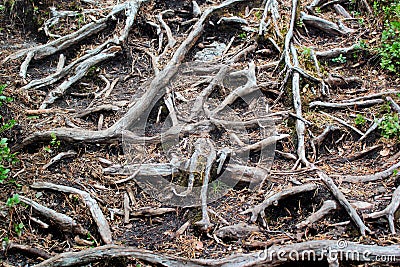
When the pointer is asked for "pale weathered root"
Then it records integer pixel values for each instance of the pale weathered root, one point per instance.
(149, 211)
(343, 122)
(358, 104)
(372, 128)
(275, 255)
(237, 231)
(261, 144)
(326, 208)
(360, 154)
(105, 107)
(389, 211)
(394, 105)
(233, 171)
(80, 71)
(97, 214)
(344, 202)
(371, 96)
(336, 81)
(335, 52)
(369, 178)
(259, 210)
(27, 250)
(64, 71)
(328, 130)
(59, 157)
(64, 222)
(325, 25)
(156, 89)
(67, 41)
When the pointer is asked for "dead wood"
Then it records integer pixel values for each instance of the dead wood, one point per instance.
(97, 214)
(389, 211)
(371, 177)
(325, 209)
(344, 202)
(319, 248)
(273, 200)
(371, 96)
(27, 250)
(64, 222)
(59, 157)
(328, 130)
(237, 231)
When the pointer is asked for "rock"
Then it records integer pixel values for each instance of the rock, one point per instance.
(211, 52)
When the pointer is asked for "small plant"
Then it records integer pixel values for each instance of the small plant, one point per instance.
(395, 172)
(258, 14)
(339, 59)
(360, 120)
(318, 10)
(12, 201)
(6, 158)
(390, 126)
(242, 36)
(18, 228)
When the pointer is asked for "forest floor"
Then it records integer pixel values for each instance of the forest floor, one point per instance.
(315, 90)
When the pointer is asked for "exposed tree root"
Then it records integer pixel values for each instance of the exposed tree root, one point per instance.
(325, 209)
(371, 177)
(344, 202)
(259, 210)
(306, 251)
(389, 211)
(64, 222)
(102, 224)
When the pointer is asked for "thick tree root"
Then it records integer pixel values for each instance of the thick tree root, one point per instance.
(274, 256)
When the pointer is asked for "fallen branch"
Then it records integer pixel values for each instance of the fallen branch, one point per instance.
(344, 123)
(148, 211)
(97, 214)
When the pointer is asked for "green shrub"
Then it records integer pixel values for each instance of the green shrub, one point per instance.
(390, 126)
